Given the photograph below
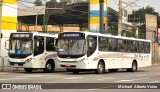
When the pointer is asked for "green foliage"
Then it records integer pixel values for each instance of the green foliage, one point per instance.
(113, 30)
(141, 35)
(38, 3)
(53, 1)
(148, 10)
(128, 33)
(68, 1)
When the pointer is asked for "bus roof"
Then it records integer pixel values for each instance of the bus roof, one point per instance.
(109, 35)
(41, 34)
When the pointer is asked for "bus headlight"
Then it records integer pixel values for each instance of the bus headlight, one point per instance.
(28, 60)
(59, 60)
(81, 60)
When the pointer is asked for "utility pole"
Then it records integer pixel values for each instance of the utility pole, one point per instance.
(0, 27)
(120, 18)
(101, 15)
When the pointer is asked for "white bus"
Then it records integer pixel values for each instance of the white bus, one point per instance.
(79, 51)
(32, 50)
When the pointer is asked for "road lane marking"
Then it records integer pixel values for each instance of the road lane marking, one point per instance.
(94, 76)
(14, 78)
(90, 89)
(4, 73)
(154, 81)
(70, 78)
(17, 78)
(50, 77)
(32, 76)
(131, 80)
(106, 79)
(54, 77)
(123, 80)
(142, 75)
(140, 79)
(4, 79)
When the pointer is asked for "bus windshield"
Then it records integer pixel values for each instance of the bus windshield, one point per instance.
(20, 46)
(71, 46)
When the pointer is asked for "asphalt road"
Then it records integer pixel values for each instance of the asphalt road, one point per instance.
(143, 75)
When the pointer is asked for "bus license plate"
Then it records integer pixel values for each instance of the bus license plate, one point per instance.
(15, 65)
(68, 65)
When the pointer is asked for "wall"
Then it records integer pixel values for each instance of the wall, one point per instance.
(151, 28)
(8, 23)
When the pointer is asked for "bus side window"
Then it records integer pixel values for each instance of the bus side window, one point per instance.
(50, 44)
(135, 47)
(122, 45)
(141, 47)
(103, 44)
(147, 47)
(113, 44)
(129, 46)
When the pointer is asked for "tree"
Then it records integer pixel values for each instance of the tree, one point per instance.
(68, 1)
(79, 0)
(148, 10)
(53, 1)
(38, 3)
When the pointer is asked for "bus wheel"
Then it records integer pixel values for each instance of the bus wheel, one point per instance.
(100, 68)
(134, 67)
(28, 70)
(75, 72)
(112, 70)
(49, 67)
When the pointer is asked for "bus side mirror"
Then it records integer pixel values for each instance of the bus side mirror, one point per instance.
(90, 43)
(55, 43)
(89, 48)
(7, 44)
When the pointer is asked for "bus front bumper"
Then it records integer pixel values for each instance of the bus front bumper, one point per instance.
(78, 65)
(17, 64)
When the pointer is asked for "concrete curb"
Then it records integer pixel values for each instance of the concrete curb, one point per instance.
(7, 69)
(11, 69)
(156, 64)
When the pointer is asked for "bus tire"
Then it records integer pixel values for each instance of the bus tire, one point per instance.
(112, 70)
(134, 67)
(49, 68)
(28, 70)
(100, 68)
(75, 72)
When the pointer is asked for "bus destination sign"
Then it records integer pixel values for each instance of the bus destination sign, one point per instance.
(72, 35)
(21, 35)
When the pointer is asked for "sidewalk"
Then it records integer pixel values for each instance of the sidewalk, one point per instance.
(11, 69)
(156, 64)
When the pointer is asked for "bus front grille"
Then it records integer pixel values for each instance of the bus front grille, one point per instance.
(69, 61)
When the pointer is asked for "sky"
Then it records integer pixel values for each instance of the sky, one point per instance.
(139, 4)
(114, 3)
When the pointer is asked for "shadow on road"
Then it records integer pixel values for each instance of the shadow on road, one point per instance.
(70, 73)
